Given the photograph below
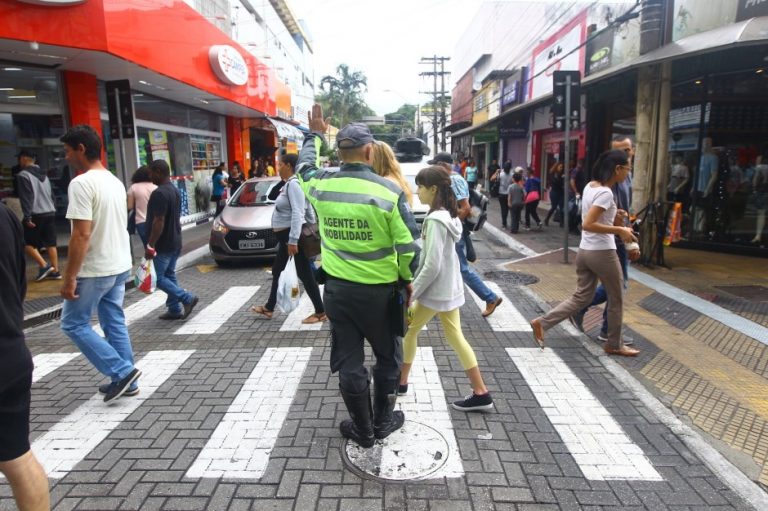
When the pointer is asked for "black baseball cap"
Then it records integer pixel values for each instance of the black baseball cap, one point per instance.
(28, 154)
(441, 158)
(353, 135)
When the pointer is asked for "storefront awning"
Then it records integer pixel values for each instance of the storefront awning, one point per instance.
(287, 131)
(744, 33)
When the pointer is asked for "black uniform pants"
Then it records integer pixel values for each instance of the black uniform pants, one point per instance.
(358, 311)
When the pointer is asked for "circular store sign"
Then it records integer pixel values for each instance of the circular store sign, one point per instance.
(228, 65)
(53, 2)
(413, 452)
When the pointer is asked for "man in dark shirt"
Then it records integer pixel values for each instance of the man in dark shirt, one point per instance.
(17, 463)
(164, 245)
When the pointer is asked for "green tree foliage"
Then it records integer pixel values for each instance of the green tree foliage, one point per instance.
(342, 96)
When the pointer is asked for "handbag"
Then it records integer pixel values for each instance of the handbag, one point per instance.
(309, 240)
(532, 196)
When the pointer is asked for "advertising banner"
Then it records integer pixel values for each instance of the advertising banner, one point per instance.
(751, 9)
(599, 52)
(158, 144)
(561, 52)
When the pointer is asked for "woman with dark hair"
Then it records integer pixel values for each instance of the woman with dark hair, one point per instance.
(556, 189)
(138, 198)
(597, 259)
(235, 179)
(291, 212)
(438, 287)
(219, 182)
(504, 177)
(532, 198)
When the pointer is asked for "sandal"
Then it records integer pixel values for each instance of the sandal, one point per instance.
(315, 318)
(538, 333)
(260, 309)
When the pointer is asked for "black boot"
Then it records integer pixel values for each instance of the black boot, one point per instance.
(385, 419)
(359, 428)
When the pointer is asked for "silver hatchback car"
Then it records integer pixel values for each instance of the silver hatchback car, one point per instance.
(243, 230)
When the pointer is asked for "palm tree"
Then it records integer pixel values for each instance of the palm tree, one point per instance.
(343, 95)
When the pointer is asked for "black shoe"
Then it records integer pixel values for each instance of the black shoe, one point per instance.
(577, 320)
(402, 389)
(474, 403)
(170, 315)
(385, 419)
(118, 389)
(132, 390)
(359, 428)
(188, 307)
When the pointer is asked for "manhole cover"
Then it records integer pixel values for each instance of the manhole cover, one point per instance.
(413, 452)
(514, 278)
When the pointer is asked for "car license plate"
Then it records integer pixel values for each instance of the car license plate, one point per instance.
(250, 244)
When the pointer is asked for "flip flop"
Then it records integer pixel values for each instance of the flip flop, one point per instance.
(315, 318)
(260, 309)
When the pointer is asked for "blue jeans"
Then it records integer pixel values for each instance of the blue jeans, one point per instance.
(600, 295)
(112, 355)
(165, 267)
(470, 276)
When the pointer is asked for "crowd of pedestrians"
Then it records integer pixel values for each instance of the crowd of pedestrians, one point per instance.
(374, 258)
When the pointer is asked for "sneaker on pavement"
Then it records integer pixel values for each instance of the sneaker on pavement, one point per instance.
(628, 341)
(117, 389)
(402, 389)
(577, 320)
(132, 390)
(474, 403)
(44, 272)
(54, 275)
(189, 306)
(171, 315)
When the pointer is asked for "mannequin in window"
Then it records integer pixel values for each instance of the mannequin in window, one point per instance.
(705, 183)
(760, 186)
(678, 179)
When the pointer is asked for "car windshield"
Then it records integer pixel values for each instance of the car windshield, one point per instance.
(253, 193)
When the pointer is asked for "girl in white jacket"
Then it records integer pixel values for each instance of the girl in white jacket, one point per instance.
(438, 287)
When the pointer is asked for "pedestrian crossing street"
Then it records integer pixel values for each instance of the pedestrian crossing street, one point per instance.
(210, 318)
(241, 444)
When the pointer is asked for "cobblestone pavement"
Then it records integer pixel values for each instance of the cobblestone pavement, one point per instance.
(237, 412)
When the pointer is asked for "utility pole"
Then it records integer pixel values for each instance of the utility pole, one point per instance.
(434, 60)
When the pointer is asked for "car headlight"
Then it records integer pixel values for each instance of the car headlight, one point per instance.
(219, 226)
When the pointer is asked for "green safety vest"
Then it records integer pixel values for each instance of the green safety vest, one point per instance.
(365, 224)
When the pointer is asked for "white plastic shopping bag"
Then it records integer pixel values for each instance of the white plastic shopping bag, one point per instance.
(288, 292)
(145, 277)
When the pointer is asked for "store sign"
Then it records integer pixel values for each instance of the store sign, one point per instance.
(53, 2)
(751, 9)
(228, 65)
(600, 52)
(559, 53)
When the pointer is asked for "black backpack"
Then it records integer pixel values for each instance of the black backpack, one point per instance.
(479, 204)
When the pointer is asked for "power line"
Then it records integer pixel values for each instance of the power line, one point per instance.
(435, 60)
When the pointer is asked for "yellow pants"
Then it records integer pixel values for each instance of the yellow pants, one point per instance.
(451, 321)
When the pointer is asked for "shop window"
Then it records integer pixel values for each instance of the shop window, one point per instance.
(718, 159)
(153, 108)
(28, 86)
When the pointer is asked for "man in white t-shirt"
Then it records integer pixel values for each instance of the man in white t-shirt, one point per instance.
(99, 264)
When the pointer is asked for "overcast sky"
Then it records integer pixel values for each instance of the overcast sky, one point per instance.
(385, 39)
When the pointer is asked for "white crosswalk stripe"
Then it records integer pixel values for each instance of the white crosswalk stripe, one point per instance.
(506, 318)
(425, 403)
(208, 320)
(293, 322)
(240, 446)
(138, 310)
(46, 363)
(68, 442)
(596, 441)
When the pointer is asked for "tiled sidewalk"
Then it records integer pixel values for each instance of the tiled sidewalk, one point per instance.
(710, 374)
